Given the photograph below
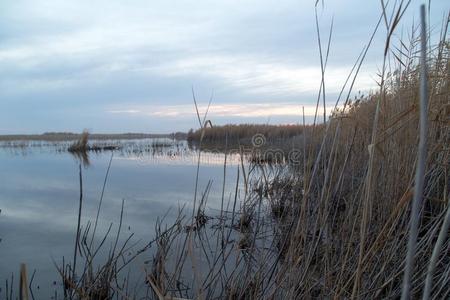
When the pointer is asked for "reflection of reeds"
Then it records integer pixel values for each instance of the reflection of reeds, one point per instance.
(162, 144)
(80, 148)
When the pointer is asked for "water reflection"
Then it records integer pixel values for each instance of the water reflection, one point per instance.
(82, 157)
(39, 192)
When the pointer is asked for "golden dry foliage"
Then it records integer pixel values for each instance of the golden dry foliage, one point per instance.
(337, 226)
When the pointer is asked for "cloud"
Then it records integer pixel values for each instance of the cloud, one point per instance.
(66, 62)
(253, 110)
(126, 111)
(259, 75)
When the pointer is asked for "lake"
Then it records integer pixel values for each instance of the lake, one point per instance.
(39, 200)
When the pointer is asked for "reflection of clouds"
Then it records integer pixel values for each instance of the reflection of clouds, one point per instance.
(39, 202)
(189, 158)
(52, 209)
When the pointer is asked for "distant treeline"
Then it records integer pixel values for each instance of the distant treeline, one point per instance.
(69, 136)
(243, 133)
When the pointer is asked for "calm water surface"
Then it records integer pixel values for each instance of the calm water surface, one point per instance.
(39, 193)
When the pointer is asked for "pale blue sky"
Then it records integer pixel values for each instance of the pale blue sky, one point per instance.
(121, 66)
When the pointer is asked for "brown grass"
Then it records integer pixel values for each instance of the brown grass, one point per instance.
(339, 227)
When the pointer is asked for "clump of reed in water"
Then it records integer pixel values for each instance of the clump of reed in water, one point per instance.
(82, 144)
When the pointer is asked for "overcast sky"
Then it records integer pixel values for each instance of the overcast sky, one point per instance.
(129, 66)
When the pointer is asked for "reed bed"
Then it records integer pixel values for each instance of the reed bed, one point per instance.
(242, 134)
(337, 225)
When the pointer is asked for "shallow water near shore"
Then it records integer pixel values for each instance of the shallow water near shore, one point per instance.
(39, 199)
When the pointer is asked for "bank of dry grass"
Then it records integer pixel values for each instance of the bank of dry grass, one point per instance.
(337, 225)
